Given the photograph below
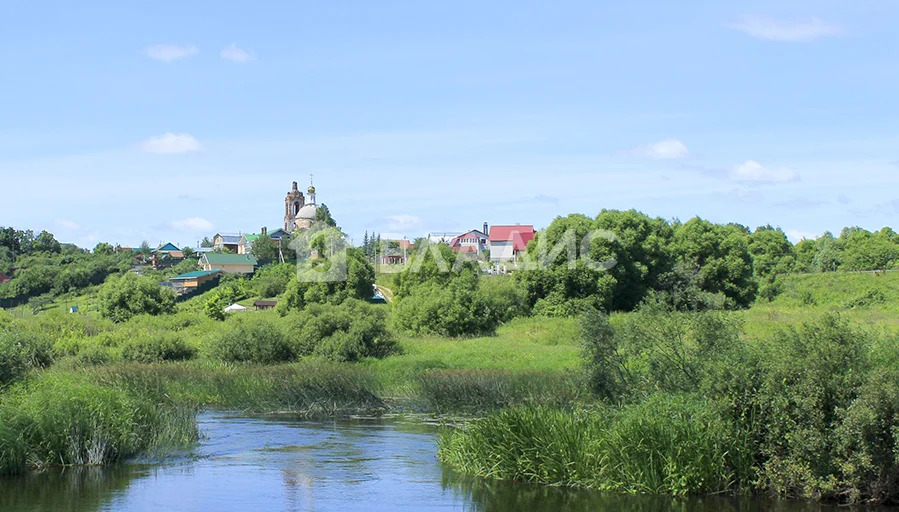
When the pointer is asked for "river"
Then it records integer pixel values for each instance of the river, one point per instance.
(280, 464)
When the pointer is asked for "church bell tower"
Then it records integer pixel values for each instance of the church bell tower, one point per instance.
(292, 204)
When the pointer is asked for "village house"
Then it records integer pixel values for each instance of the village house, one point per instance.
(473, 242)
(190, 281)
(441, 238)
(226, 241)
(229, 263)
(168, 249)
(396, 252)
(4, 278)
(506, 243)
(245, 246)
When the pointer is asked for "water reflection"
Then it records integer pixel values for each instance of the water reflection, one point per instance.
(77, 489)
(281, 464)
(481, 495)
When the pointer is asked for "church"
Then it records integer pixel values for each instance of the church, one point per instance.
(299, 214)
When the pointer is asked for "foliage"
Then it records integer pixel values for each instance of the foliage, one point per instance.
(68, 419)
(655, 349)
(346, 275)
(323, 214)
(668, 444)
(457, 308)
(20, 351)
(271, 280)
(264, 248)
(231, 289)
(481, 391)
(508, 298)
(721, 256)
(346, 332)
(253, 339)
(123, 297)
(157, 346)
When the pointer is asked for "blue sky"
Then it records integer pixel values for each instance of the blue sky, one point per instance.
(131, 121)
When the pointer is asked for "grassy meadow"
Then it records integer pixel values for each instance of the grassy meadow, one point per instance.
(685, 419)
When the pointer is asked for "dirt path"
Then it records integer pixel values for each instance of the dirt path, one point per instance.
(387, 293)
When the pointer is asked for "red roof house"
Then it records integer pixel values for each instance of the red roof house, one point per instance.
(507, 242)
(472, 242)
(4, 278)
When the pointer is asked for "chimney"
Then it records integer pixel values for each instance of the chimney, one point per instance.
(264, 230)
(485, 228)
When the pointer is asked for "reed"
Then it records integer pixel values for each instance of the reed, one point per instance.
(668, 444)
(68, 419)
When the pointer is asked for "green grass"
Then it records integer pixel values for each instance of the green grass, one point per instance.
(524, 344)
(665, 445)
(66, 418)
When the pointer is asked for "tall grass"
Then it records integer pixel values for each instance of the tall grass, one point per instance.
(68, 419)
(482, 391)
(308, 388)
(674, 445)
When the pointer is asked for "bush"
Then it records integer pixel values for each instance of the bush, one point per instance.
(253, 339)
(271, 280)
(656, 349)
(347, 332)
(157, 346)
(122, 298)
(20, 351)
(457, 309)
(507, 296)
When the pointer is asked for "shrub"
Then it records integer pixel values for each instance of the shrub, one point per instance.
(157, 346)
(507, 296)
(656, 349)
(123, 297)
(347, 332)
(20, 351)
(253, 339)
(457, 309)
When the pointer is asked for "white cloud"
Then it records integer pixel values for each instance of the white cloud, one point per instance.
(67, 224)
(403, 222)
(171, 143)
(752, 171)
(799, 30)
(667, 149)
(170, 52)
(797, 236)
(191, 225)
(235, 54)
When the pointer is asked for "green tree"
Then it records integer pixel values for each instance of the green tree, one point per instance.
(103, 248)
(323, 214)
(264, 248)
(829, 257)
(123, 297)
(206, 242)
(345, 275)
(863, 250)
(721, 255)
(45, 242)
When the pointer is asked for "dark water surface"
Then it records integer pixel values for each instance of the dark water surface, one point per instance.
(274, 464)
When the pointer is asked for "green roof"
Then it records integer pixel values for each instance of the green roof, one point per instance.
(196, 273)
(168, 247)
(214, 258)
(250, 238)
